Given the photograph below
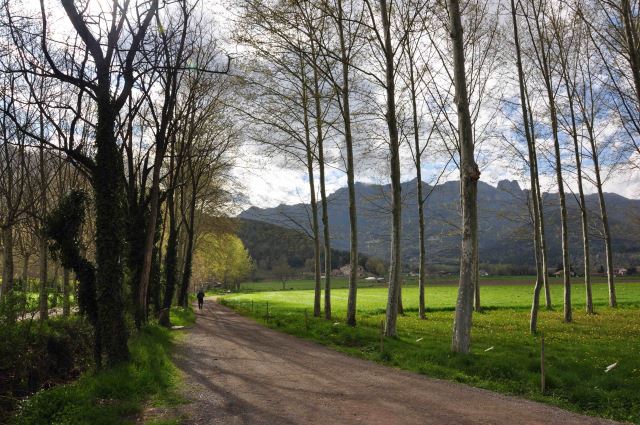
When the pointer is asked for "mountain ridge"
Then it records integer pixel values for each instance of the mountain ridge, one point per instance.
(504, 223)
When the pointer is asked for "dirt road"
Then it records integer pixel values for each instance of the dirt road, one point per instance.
(238, 372)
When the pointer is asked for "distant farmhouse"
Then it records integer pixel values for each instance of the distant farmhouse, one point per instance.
(560, 273)
(621, 272)
(346, 271)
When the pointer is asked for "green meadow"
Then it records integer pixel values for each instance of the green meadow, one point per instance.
(505, 357)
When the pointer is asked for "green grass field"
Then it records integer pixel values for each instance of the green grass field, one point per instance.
(342, 282)
(576, 354)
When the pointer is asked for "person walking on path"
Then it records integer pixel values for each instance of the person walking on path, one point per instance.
(200, 298)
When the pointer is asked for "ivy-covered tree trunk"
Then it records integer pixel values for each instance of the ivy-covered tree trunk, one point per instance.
(63, 227)
(66, 292)
(110, 222)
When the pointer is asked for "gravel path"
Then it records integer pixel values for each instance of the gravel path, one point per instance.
(238, 372)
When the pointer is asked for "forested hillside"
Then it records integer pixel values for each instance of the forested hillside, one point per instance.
(268, 244)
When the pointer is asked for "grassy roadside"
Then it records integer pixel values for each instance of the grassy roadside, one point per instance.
(117, 395)
(504, 358)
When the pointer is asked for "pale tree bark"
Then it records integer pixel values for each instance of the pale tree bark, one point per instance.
(540, 200)
(348, 138)
(544, 65)
(325, 216)
(584, 219)
(314, 203)
(422, 271)
(396, 196)
(573, 133)
(422, 256)
(543, 243)
(613, 302)
(273, 20)
(417, 159)
(588, 102)
(533, 176)
(317, 268)
(469, 176)
(325, 232)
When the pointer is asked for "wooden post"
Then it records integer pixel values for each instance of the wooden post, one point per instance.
(306, 320)
(542, 363)
(382, 336)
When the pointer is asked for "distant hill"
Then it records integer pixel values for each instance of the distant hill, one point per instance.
(269, 243)
(504, 224)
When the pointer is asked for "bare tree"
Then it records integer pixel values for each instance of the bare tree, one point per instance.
(469, 176)
(568, 33)
(592, 106)
(535, 15)
(172, 38)
(346, 45)
(112, 48)
(13, 182)
(533, 175)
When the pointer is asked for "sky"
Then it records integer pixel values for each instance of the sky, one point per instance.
(268, 182)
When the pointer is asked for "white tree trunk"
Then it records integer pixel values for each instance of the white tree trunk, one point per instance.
(469, 176)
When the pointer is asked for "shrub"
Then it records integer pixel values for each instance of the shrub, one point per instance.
(37, 355)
